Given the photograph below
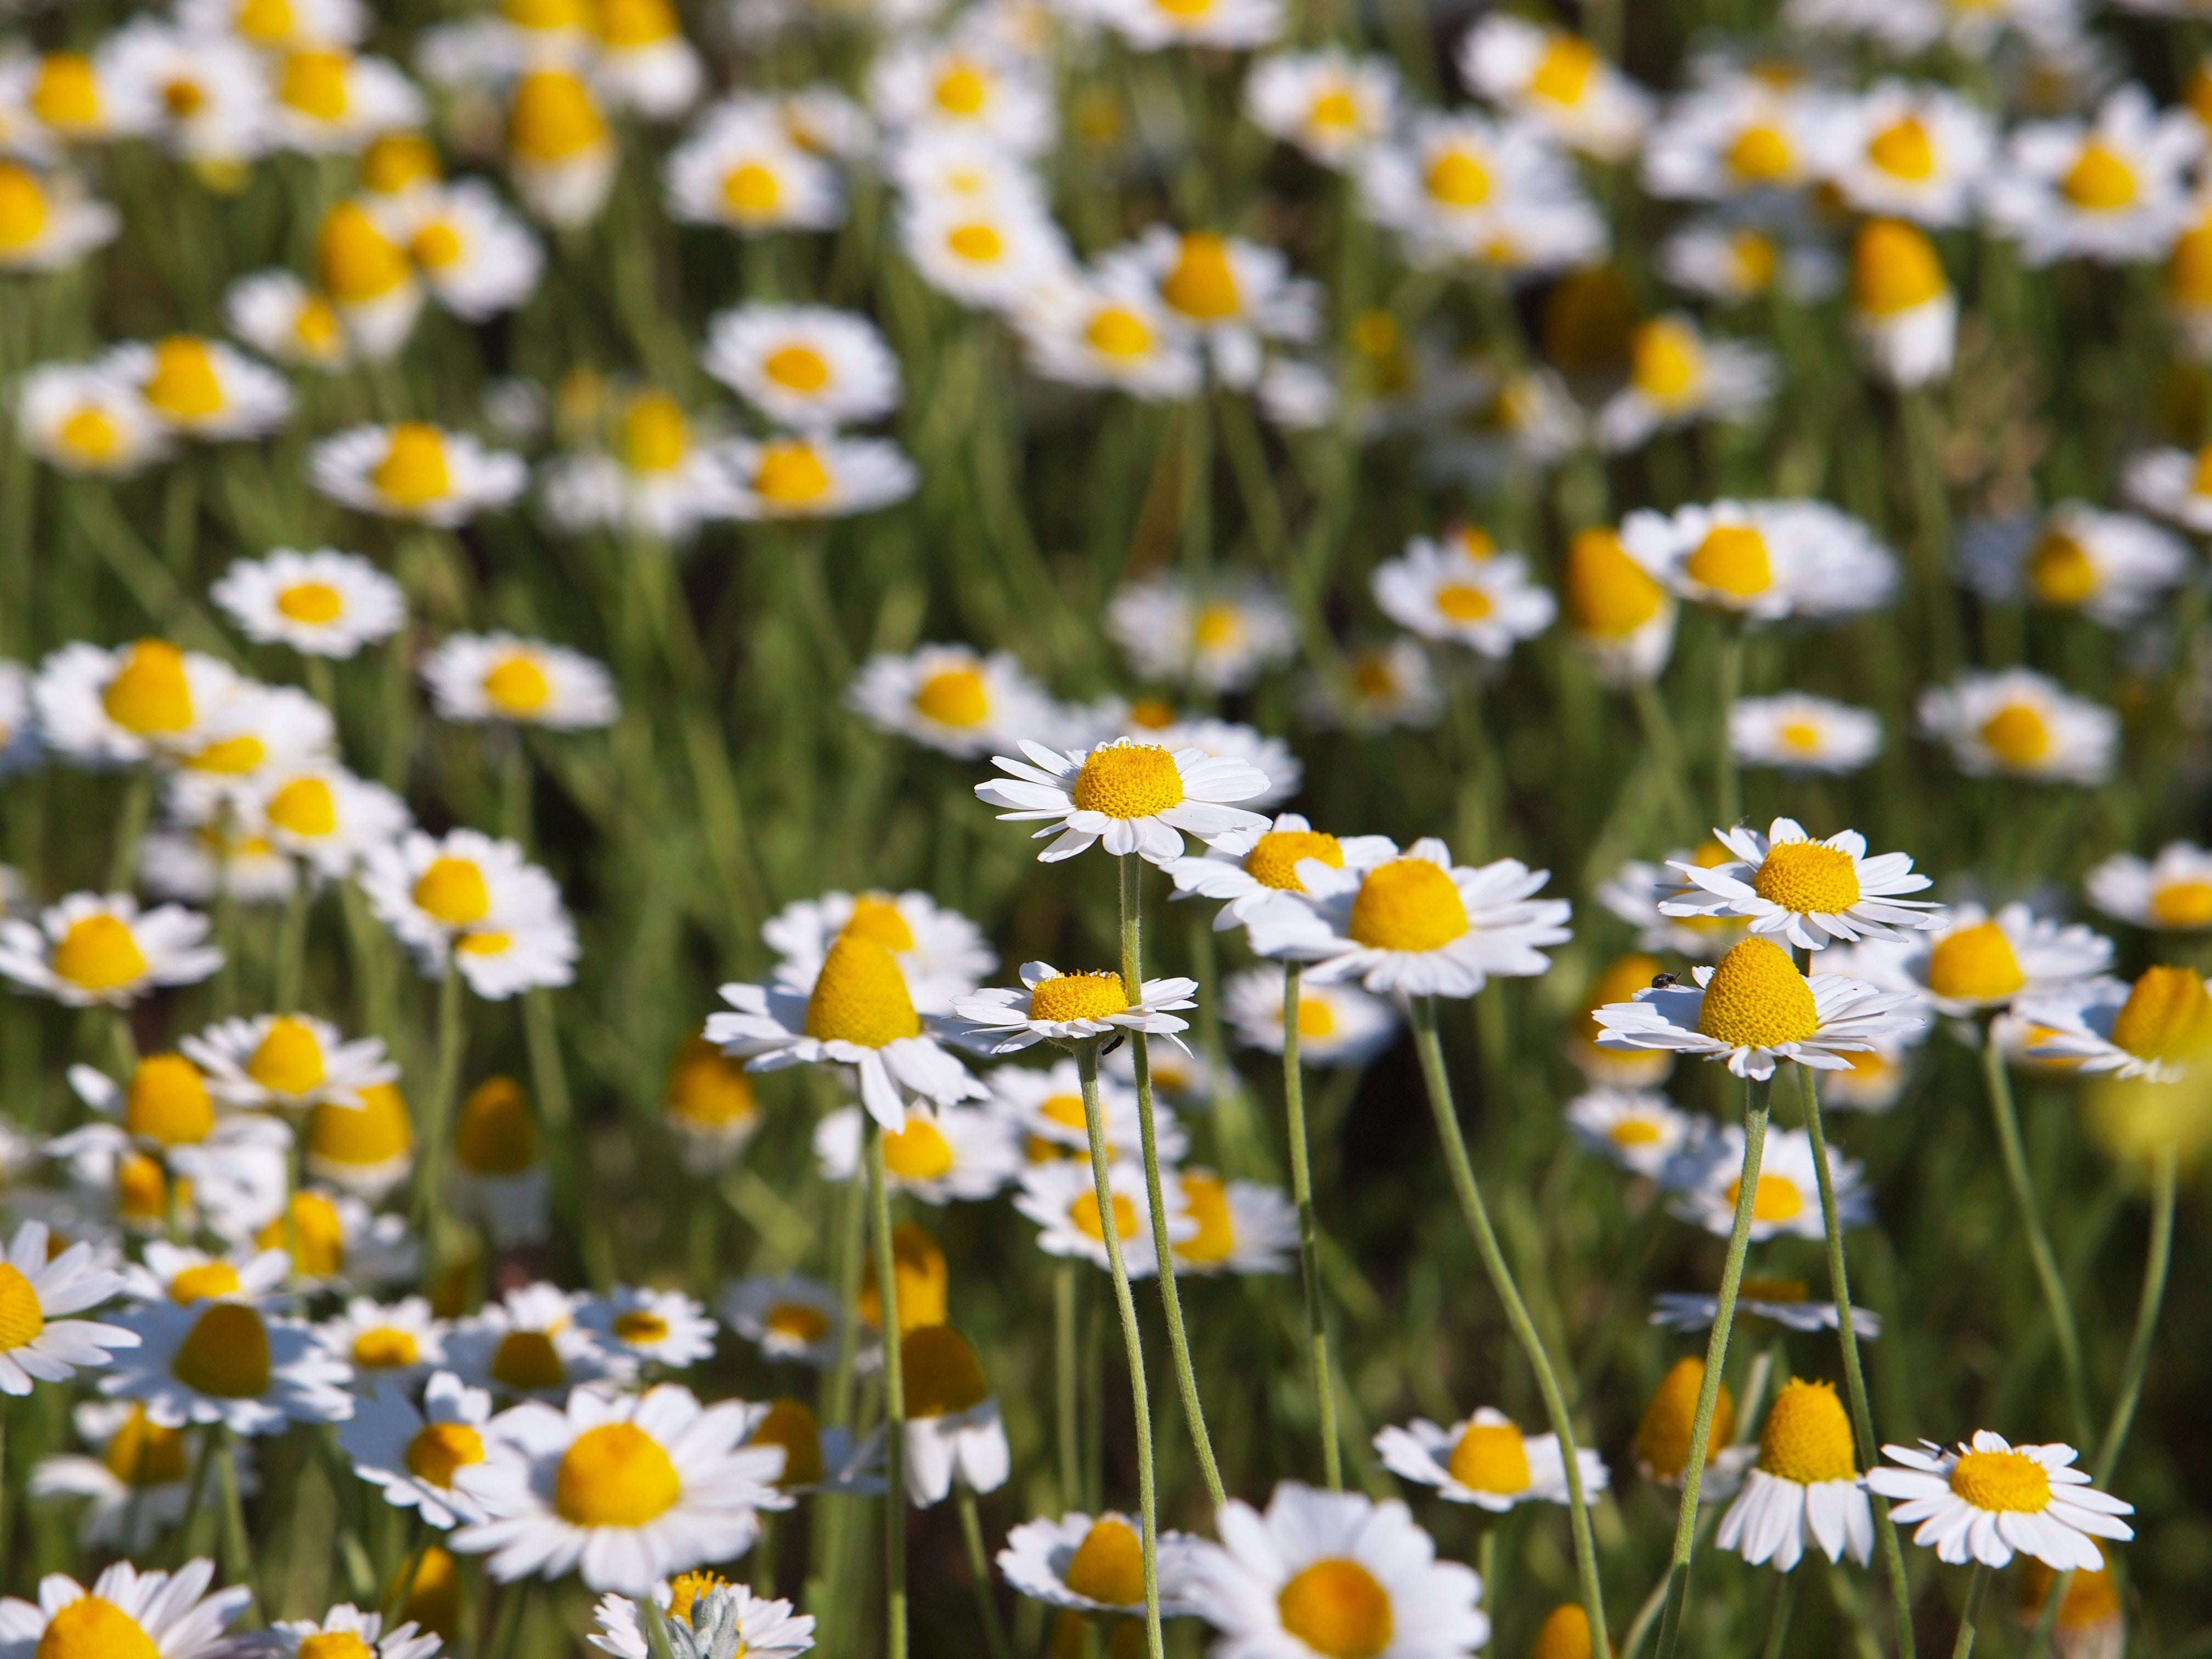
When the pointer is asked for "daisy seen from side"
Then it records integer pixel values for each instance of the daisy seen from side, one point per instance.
(1485, 1459)
(1810, 893)
(1805, 1481)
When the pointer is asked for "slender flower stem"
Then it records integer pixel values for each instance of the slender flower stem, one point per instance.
(2007, 1119)
(763, 1580)
(1728, 669)
(1893, 1554)
(978, 1572)
(1094, 1119)
(1755, 1108)
(1193, 1409)
(894, 1405)
(131, 827)
(1423, 1015)
(1294, 1109)
(237, 1548)
(1973, 1611)
(1066, 1395)
(1777, 1626)
(292, 941)
(438, 1110)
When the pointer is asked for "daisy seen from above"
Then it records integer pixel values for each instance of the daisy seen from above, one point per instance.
(1256, 870)
(501, 677)
(787, 1317)
(1233, 294)
(2112, 189)
(1795, 732)
(412, 1455)
(1639, 1129)
(201, 389)
(655, 1327)
(806, 367)
(2017, 723)
(324, 604)
(953, 699)
(83, 421)
(125, 1611)
(1987, 1499)
(1910, 151)
(415, 471)
(1485, 1460)
(90, 950)
(1807, 892)
(1129, 797)
(741, 171)
(656, 479)
(396, 1342)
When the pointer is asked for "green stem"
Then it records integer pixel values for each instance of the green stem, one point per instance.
(237, 1548)
(1729, 671)
(1065, 1389)
(1193, 1409)
(438, 1110)
(292, 939)
(2055, 1300)
(1777, 1626)
(130, 828)
(894, 1404)
(1423, 1014)
(1086, 1066)
(1755, 1108)
(541, 1033)
(1666, 749)
(978, 1572)
(764, 1557)
(1294, 1109)
(1975, 1588)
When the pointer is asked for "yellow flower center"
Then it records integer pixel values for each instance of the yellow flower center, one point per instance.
(1117, 332)
(183, 385)
(314, 83)
(93, 1628)
(801, 1321)
(1761, 156)
(435, 246)
(614, 1475)
(1563, 74)
(1903, 150)
(87, 434)
(1756, 260)
(310, 602)
(452, 891)
(1799, 738)
(141, 1191)
(1079, 996)
(518, 686)
(790, 1424)
(977, 243)
(547, 16)
(1808, 878)
(1894, 267)
(2001, 1480)
(2167, 1015)
(1129, 780)
(686, 1590)
(1564, 1634)
(1203, 284)
(791, 473)
(1975, 964)
(316, 1237)
(954, 697)
(1335, 110)
(860, 996)
(2017, 735)
(2099, 181)
(1108, 1565)
(1273, 861)
(1067, 1110)
(386, 1349)
(528, 1363)
(1185, 10)
(641, 1327)
(22, 207)
(1663, 1438)
(2060, 571)
(168, 1102)
(962, 90)
(1463, 603)
(305, 807)
(497, 1134)
(335, 1644)
(1665, 360)
(145, 1453)
(439, 1448)
(1807, 1436)
(149, 694)
(920, 1277)
(555, 119)
(231, 756)
(413, 473)
(1457, 179)
(1732, 560)
(1408, 904)
(1207, 1201)
(940, 1371)
(2183, 904)
(919, 1152)
(1083, 1212)
(358, 262)
(434, 1597)
(1491, 1457)
(1610, 596)
(225, 1354)
(2188, 268)
(798, 368)
(99, 954)
(67, 93)
(204, 1282)
(1757, 999)
(751, 190)
(21, 1315)
(373, 1133)
(289, 1060)
(1777, 1199)
(633, 23)
(1336, 1608)
(397, 161)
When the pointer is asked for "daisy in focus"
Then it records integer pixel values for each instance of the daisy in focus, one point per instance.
(1808, 892)
(498, 676)
(1986, 1500)
(1130, 797)
(953, 699)
(1795, 732)
(1485, 1460)
(1806, 1480)
(1763, 560)
(1447, 592)
(2172, 893)
(1068, 1009)
(415, 471)
(40, 1287)
(324, 604)
(1220, 639)
(2020, 724)
(703, 1618)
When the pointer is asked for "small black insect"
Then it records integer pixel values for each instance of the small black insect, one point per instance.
(1660, 981)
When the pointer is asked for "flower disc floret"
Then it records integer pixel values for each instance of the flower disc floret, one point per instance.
(941, 1373)
(1109, 1565)
(1807, 1436)
(92, 1627)
(860, 996)
(1336, 1608)
(1975, 964)
(614, 1475)
(1274, 858)
(2002, 1481)
(1129, 780)
(1078, 996)
(2167, 1015)
(22, 1316)
(1408, 904)
(1809, 877)
(1757, 999)
(1491, 1457)
(226, 1354)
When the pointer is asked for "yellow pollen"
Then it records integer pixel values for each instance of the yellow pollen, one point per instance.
(99, 954)
(979, 244)
(1117, 332)
(518, 687)
(962, 91)
(1665, 360)
(1610, 596)
(1457, 179)
(22, 207)
(2099, 181)
(439, 1448)
(1463, 603)
(1408, 904)
(1207, 1201)
(801, 1321)
(707, 1089)
(1079, 996)
(21, 1315)
(1975, 964)
(183, 385)
(316, 1237)
(2167, 1015)
(1564, 1634)
(1129, 780)
(89, 433)
(555, 119)
(1903, 150)
(91, 1627)
(919, 1152)
(452, 891)
(375, 1132)
(1335, 110)
(289, 1060)
(2003, 1480)
(861, 997)
(1491, 1457)
(1563, 74)
(1107, 1566)
(1274, 858)
(790, 1424)
(1761, 156)
(641, 1327)
(2017, 735)
(791, 473)
(1757, 999)
(413, 473)
(1083, 1212)
(1732, 560)
(1634, 1132)
(305, 807)
(357, 261)
(1806, 877)
(751, 190)
(143, 1454)
(1336, 1608)
(315, 84)
(497, 1135)
(168, 1102)
(614, 1475)
(335, 1644)
(310, 602)
(1203, 284)
(150, 695)
(205, 1282)
(397, 161)
(954, 697)
(798, 368)
(941, 1373)
(633, 23)
(528, 1363)
(66, 96)
(1663, 1438)
(2183, 904)
(1808, 1437)
(385, 1348)
(226, 1353)
(686, 1590)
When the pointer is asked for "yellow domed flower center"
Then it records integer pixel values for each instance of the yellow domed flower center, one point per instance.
(439, 1448)
(141, 1191)
(1408, 904)
(1799, 737)
(1808, 878)
(372, 1132)
(798, 368)
(1117, 332)
(1129, 780)
(1461, 602)
(289, 1060)
(708, 1089)
(66, 95)
(614, 1475)
(1078, 996)
(791, 473)
(1609, 595)
(99, 953)
(919, 1152)
(1894, 267)
(305, 807)
(921, 1279)
(168, 1102)
(204, 1282)
(2001, 1480)
(22, 207)
(226, 1353)
(358, 262)
(1067, 1110)
(977, 243)
(1777, 1199)
(641, 1327)
(1564, 1634)
(93, 1628)
(184, 386)
(2100, 180)
(1757, 999)
(1185, 10)
(1663, 1438)
(1975, 964)
(88, 434)
(1457, 179)
(547, 16)
(1756, 260)
(751, 190)
(385, 1348)
(1491, 1457)
(397, 161)
(801, 1321)
(656, 437)
(2188, 268)
(517, 686)
(150, 694)
(528, 1363)
(940, 1371)
(1761, 156)
(143, 1454)
(232, 757)
(1336, 1608)
(633, 23)
(315, 1236)
(452, 891)
(2183, 904)
(955, 696)
(315, 83)
(1274, 858)
(310, 602)
(413, 473)
(1203, 284)
(435, 246)
(1903, 150)
(2017, 735)
(1083, 1212)
(790, 1424)
(962, 90)
(1807, 1436)
(2167, 1015)
(497, 1135)
(1563, 73)
(335, 1644)
(860, 996)
(22, 1316)
(555, 119)
(1207, 1199)
(1334, 111)
(1107, 1566)
(2060, 571)
(1732, 559)
(1665, 360)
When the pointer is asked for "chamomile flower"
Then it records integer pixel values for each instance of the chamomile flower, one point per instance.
(415, 471)
(654, 1327)
(1559, 81)
(325, 603)
(952, 1153)
(817, 478)
(2172, 893)
(1738, 257)
(1910, 151)
(90, 950)
(330, 101)
(953, 1430)
(81, 419)
(412, 1455)
(1806, 1480)
(1485, 1460)
(1639, 1129)
(528, 1344)
(184, 1272)
(209, 89)
(1113, 332)
(1243, 1226)
(1736, 133)
(1753, 1009)
(709, 1102)
(1987, 1499)
(822, 1461)
(1339, 1025)
(497, 1179)
(1070, 1008)
(1231, 294)
(287, 1063)
(1329, 103)
(1061, 1197)
(705, 1619)
(1383, 686)
(993, 97)
(1324, 1573)
(1621, 618)
(395, 1342)
(140, 701)
(40, 1288)
(437, 892)
(1808, 892)
(2112, 190)
(992, 249)
(1257, 869)
(1094, 1566)
(1678, 376)
(1982, 961)
(787, 1317)
(1708, 1181)
(500, 677)
(365, 1150)
(560, 153)
(1663, 1436)
(953, 699)
(2173, 484)
(742, 171)
(126, 1611)
(806, 367)
(346, 1629)
(77, 99)
(1442, 592)
(2155, 1027)
(476, 258)
(656, 479)
(197, 864)
(1419, 925)
(1785, 1302)
(1877, 1078)
(1763, 560)
(1132, 797)
(2113, 568)
(256, 733)
(228, 1361)
(336, 1241)
(138, 1478)
(1905, 313)
(46, 221)
(316, 811)
(2020, 724)
(1795, 732)
(371, 288)
(941, 953)
(642, 60)
(1044, 1110)
(1221, 639)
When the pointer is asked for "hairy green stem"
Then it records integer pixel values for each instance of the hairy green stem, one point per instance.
(1777, 1626)
(894, 1405)
(1976, 1586)
(978, 1572)
(1294, 1109)
(1066, 1395)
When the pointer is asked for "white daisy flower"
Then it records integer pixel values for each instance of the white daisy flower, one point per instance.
(1809, 892)
(2018, 723)
(1677, 375)
(126, 1611)
(1061, 1197)
(622, 1491)
(2151, 1028)
(365, 1150)
(708, 1104)
(1763, 560)
(1806, 1479)
(947, 1154)
(2113, 189)
(370, 283)
(1707, 1180)
(1132, 796)
(1339, 1025)
(1257, 869)
(1070, 1008)
(817, 477)
(166, 1103)
(1154, 25)
(89, 951)
(1113, 332)
(560, 153)
(1737, 257)
(1905, 27)
(329, 101)
(1384, 686)
(1639, 1129)
(139, 1480)
(1243, 1226)
(953, 1430)
(1329, 103)
(196, 865)
(807, 367)
(253, 737)
(1441, 593)
(742, 171)
(657, 480)
(46, 221)
(1419, 925)
(83, 421)
(437, 893)
(346, 1629)
(287, 1063)
(209, 89)
(201, 389)
(500, 677)
(1905, 313)
(497, 1179)
(77, 99)
(1983, 961)
(1044, 1110)
(705, 1619)
(2113, 567)
(476, 258)
(1988, 1500)
(228, 1361)
(658, 1327)
(415, 471)
(1559, 81)
(1094, 1566)
(1221, 639)
(995, 96)
(1230, 740)
(2172, 893)
(1327, 1573)
(1795, 732)
(139, 701)
(184, 1272)
(940, 953)
(1485, 1460)
(990, 250)
(1232, 293)
(953, 699)
(326, 604)
(336, 1241)
(2173, 484)
(412, 1455)
(1621, 618)
(941, 168)
(1909, 150)
(319, 810)
(38, 1288)
(529, 1344)
(643, 62)
(1735, 132)
(1787, 1301)
(786, 1317)
(1753, 1009)
(384, 1342)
